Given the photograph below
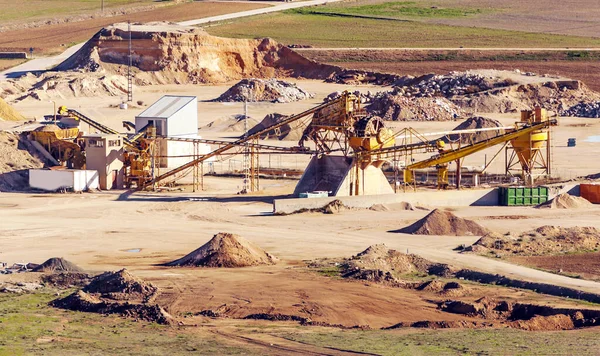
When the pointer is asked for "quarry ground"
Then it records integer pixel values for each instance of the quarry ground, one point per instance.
(96, 231)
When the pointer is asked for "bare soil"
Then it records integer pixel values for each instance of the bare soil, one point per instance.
(440, 222)
(582, 265)
(58, 264)
(8, 113)
(15, 162)
(55, 38)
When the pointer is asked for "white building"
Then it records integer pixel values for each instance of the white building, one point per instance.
(52, 180)
(177, 117)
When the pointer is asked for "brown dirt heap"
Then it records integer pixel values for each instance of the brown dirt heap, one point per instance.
(233, 123)
(271, 90)
(117, 293)
(545, 240)
(440, 222)
(475, 123)
(15, 162)
(226, 250)
(566, 201)
(395, 107)
(378, 263)
(121, 285)
(291, 131)
(58, 264)
(8, 113)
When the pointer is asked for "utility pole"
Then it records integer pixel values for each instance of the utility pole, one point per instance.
(246, 158)
(129, 76)
(102, 6)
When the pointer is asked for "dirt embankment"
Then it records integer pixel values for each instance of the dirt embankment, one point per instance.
(8, 113)
(545, 240)
(15, 162)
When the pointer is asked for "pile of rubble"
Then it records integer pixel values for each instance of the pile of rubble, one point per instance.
(451, 84)
(272, 90)
(583, 109)
(365, 97)
(393, 106)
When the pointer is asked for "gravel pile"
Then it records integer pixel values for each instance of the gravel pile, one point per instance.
(589, 109)
(272, 90)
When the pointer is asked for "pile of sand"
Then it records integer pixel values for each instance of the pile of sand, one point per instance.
(565, 201)
(15, 162)
(8, 113)
(226, 250)
(271, 90)
(58, 264)
(291, 131)
(475, 123)
(116, 293)
(233, 123)
(545, 240)
(378, 263)
(395, 107)
(63, 85)
(446, 289)
(440, 222)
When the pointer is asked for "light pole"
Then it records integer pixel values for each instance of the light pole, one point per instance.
(102, 6)
(54, 102)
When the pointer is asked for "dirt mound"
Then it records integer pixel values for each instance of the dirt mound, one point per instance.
(85, 302)
(393, 106)
(587, 109)
(15, 162)
(57, 264)
(475, 123)
(226, 250)
(565, 201)
(67, 279)
(378, 263)
(556, 96)
(233, 123)
(63, 85)
(440, 222)
(272, 90)
(121, 285)
(7, 113)
(291, 131)
(545, 240)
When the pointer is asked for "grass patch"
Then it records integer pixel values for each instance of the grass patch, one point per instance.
(328, 31)
(33, 9)
(29, 326)
(393, 9)
(331, 271)
(451, 342)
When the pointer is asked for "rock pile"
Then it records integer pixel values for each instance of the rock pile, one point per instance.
(440, 222)
(365, 97)
(271, 90)
(448, 85)
(396, 107)
(226, 250)
(583, 109)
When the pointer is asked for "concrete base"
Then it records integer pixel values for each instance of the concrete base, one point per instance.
(478, 197)
(337, 175)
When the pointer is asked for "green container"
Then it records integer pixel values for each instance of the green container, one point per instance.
(523, 196)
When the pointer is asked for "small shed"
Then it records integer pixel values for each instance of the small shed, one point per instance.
(104, 153)
(171, 115)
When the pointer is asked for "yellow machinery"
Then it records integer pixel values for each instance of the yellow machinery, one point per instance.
(525, 131)
(63, 144)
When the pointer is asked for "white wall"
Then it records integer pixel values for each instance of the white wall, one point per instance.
(78, 180)
(177, 148)
(184, 121)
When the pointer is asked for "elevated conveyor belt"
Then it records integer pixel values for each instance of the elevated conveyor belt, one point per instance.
(95, 124)
(335, 106)
(461, 152)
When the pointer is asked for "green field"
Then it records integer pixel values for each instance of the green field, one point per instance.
(393, 9)
(37, 9)
(333, 31)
